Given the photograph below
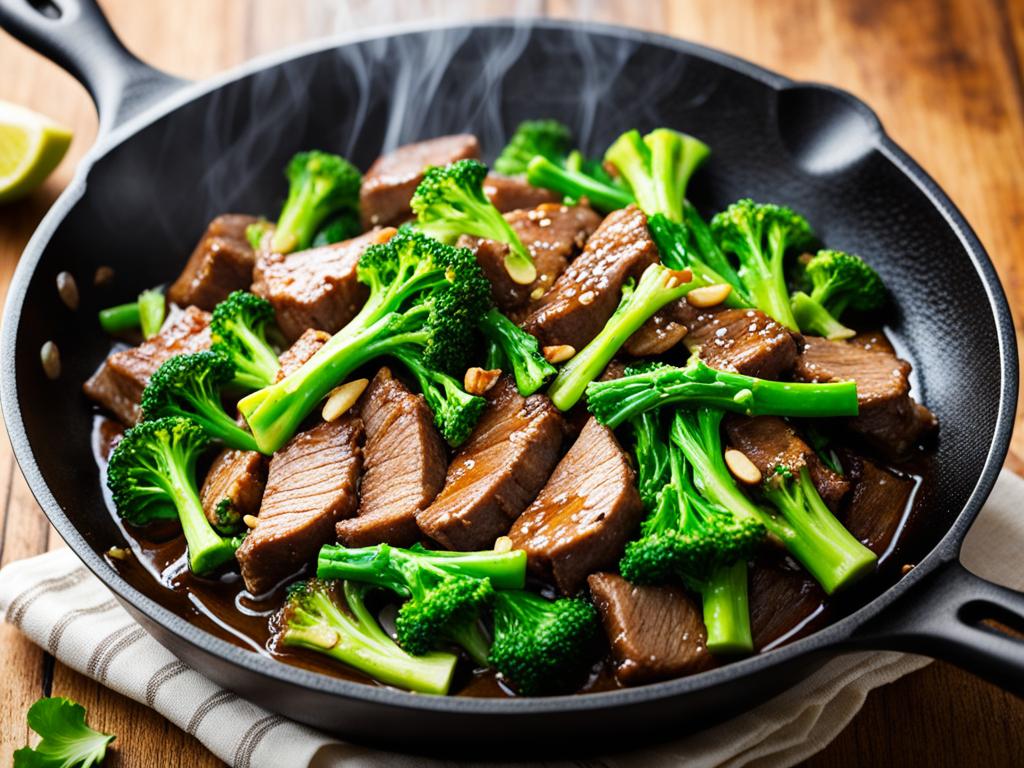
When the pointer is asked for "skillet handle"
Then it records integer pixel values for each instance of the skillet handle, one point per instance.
(76, 35)
(945, 615)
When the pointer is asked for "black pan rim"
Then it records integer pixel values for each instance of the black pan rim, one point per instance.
(830, 639)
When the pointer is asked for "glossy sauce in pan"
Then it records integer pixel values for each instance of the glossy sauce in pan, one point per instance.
(785, 603)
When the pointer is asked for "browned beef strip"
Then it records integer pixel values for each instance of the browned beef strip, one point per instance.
(390, 182)
(659, 334)
(316, 288)
(498, 471)
(404, 465)
(222, 262)
(770, 442)
(118, 384)
(587, 293)
(510, 193)
(233, 487)
(876, 508)
(307, 345)
(743, 340)
(782, 597)
(554, 234)
(581, 520)
(655, 632)
(311, 486)
(890, 420)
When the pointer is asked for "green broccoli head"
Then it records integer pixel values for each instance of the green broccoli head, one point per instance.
(320, 185)
(345, 226)
(541, 645)
(547, 138)
(838, 281)
(760, 235)
(450, 201)
(238, 328)
(455, 411)
(189, 386)
(441, 611)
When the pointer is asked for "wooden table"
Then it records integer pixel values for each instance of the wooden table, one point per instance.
(946, 80)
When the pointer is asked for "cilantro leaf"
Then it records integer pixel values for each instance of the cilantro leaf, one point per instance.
(67, 741)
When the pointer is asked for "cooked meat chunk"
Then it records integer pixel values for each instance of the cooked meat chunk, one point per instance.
(770, 442)
(784, 601)
(509, 193)
(311, 486)
(655, 632)
(233, 487)
(662, 332)
(222, 262)
(390, 182)
(118, 384)
(585, 296)
(498, 471)
(307, 345)
(316, 288)
(583, 517)
(878, 505)
(554, 234)
(404, 464)
(889, 419)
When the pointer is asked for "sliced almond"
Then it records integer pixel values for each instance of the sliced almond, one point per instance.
(537, 292)
(342, 398)
(678, 277)
(477, 381)
(503, 544)
(558, 353)
(709, 295)
(251, 521)
(742, 468)
(118, 553)
(49, 356)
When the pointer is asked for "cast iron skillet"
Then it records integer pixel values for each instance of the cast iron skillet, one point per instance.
(171, 155)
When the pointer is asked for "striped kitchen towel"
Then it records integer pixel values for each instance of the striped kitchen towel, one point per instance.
(63, 608)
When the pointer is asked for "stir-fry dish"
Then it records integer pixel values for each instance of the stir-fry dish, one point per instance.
(547, 426)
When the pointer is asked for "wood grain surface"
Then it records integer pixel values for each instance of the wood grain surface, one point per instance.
(945, 77)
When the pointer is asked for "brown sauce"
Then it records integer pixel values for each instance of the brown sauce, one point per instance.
(222, 606)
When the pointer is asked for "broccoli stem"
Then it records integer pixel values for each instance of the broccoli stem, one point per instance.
(207, 550)
(613, 402)
(658, 286)
(470, 637)
(677, 253)
(211, 417)
(263, 365)
(123, 317)
(152, 311)
(518, 348)
(815, 537)
(813, 318)
(541, 172)
(726, 610)
(358, 641)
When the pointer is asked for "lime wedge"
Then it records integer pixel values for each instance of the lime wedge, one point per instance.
(31, 145)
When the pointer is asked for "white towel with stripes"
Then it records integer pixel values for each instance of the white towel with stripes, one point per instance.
(63, 608)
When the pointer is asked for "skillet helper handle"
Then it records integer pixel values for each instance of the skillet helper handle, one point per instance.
(76, 35)
(961, 618)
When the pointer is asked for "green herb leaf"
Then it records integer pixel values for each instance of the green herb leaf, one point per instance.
(67, 741)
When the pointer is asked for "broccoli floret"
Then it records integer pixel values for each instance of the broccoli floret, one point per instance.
(450, 201)
(840, 281)
(189, 386)
(446, 590)
(343, 227)
(651, 452)
(226, 518)
(320, 186)
(541, 645)
(332, 619)
(547, 138)
(657, 287)
(657, 168)
(804, 526)
(151, 476)
(690, 246)
(821, 543)
(759, 235)
(456, 411)
(578, 180)
(425, 297)
(613, 402)
(690, 537)
(238, 327)
(518, 349)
